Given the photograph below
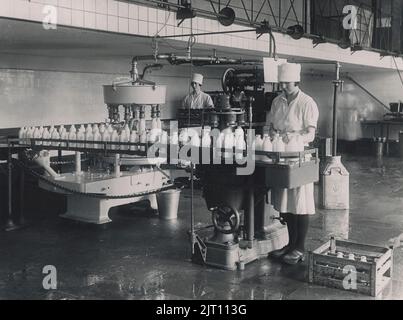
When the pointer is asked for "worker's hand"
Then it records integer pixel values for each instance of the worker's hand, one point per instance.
(272, 132)
(286, 137)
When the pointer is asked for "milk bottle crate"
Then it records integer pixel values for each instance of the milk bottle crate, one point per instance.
(370, 275)
(289, 169)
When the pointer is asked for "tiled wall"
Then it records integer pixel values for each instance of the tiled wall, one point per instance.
(129, 18)
(57, 90)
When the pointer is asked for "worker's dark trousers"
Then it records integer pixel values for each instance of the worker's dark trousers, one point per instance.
(297, 225)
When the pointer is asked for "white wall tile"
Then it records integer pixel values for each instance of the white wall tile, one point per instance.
(21, 9)
(6, 8)
(207, 25)
(171, 19)
(77, 4)
(89, 20)
(64, 16)
(201, 39)
(133, 26)
(152, 15)
(50, 2)
(200, 23)
(89, 5)
(112, 8)
(143, 27)
(143, 13)
(113, 24)
(77, 18)
(101, 6)
(177, 31)
(169, 30)
(208, 38)
(162, 30)
(251, 44)
(133, 11)
(36, 11)
(162, 16)
(152, 29)
(123, 25)
(123, 9)
(262, 46)
(101, 21)
(65, 4)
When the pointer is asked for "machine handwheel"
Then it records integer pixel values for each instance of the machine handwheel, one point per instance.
(226, 80)
(226, 219)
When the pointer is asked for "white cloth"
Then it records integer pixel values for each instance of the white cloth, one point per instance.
(299, 115)
(197, 101)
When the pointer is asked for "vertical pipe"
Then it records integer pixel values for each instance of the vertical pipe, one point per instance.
(192, 230)
(250, 216)
(59, 158)
(306, 16)
(78, 163)
(10, 224)
(334, 153)
(117, 165)
(336, 86)
(22, 194)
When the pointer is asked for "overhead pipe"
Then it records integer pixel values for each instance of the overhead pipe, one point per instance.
(201, 60)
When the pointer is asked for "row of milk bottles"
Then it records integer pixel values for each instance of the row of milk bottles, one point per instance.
(294, 143)
(229, 140)
(91, 134)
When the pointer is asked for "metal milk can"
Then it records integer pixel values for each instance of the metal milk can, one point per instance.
(334, 185)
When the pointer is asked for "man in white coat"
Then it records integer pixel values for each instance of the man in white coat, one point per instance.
(197, 99)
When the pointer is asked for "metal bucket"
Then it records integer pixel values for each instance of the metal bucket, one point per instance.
(168, 204)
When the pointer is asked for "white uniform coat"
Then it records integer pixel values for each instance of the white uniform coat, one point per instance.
(197, 101)
(300, 114)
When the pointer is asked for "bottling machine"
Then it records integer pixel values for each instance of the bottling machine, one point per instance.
(245, 226)
(134, 177)
(237, 239)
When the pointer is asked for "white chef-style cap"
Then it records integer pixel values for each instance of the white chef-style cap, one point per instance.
(289, 72)
(198, 78)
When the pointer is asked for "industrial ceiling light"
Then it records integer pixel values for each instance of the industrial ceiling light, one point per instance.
(226, 16)
(344, 43)
(356, 47)
(296, 32)
(185, 12)
(263, 28)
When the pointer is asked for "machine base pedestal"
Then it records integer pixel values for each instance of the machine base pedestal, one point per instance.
(232, 256)
(93, 210)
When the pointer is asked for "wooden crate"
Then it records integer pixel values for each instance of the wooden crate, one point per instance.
(372, 276)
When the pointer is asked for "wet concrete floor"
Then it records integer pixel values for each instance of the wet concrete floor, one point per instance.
(139, 256)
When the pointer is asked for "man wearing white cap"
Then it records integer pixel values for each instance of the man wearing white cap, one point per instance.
(197, 99)
(293, 113)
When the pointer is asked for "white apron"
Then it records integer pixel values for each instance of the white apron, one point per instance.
(299, 115)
